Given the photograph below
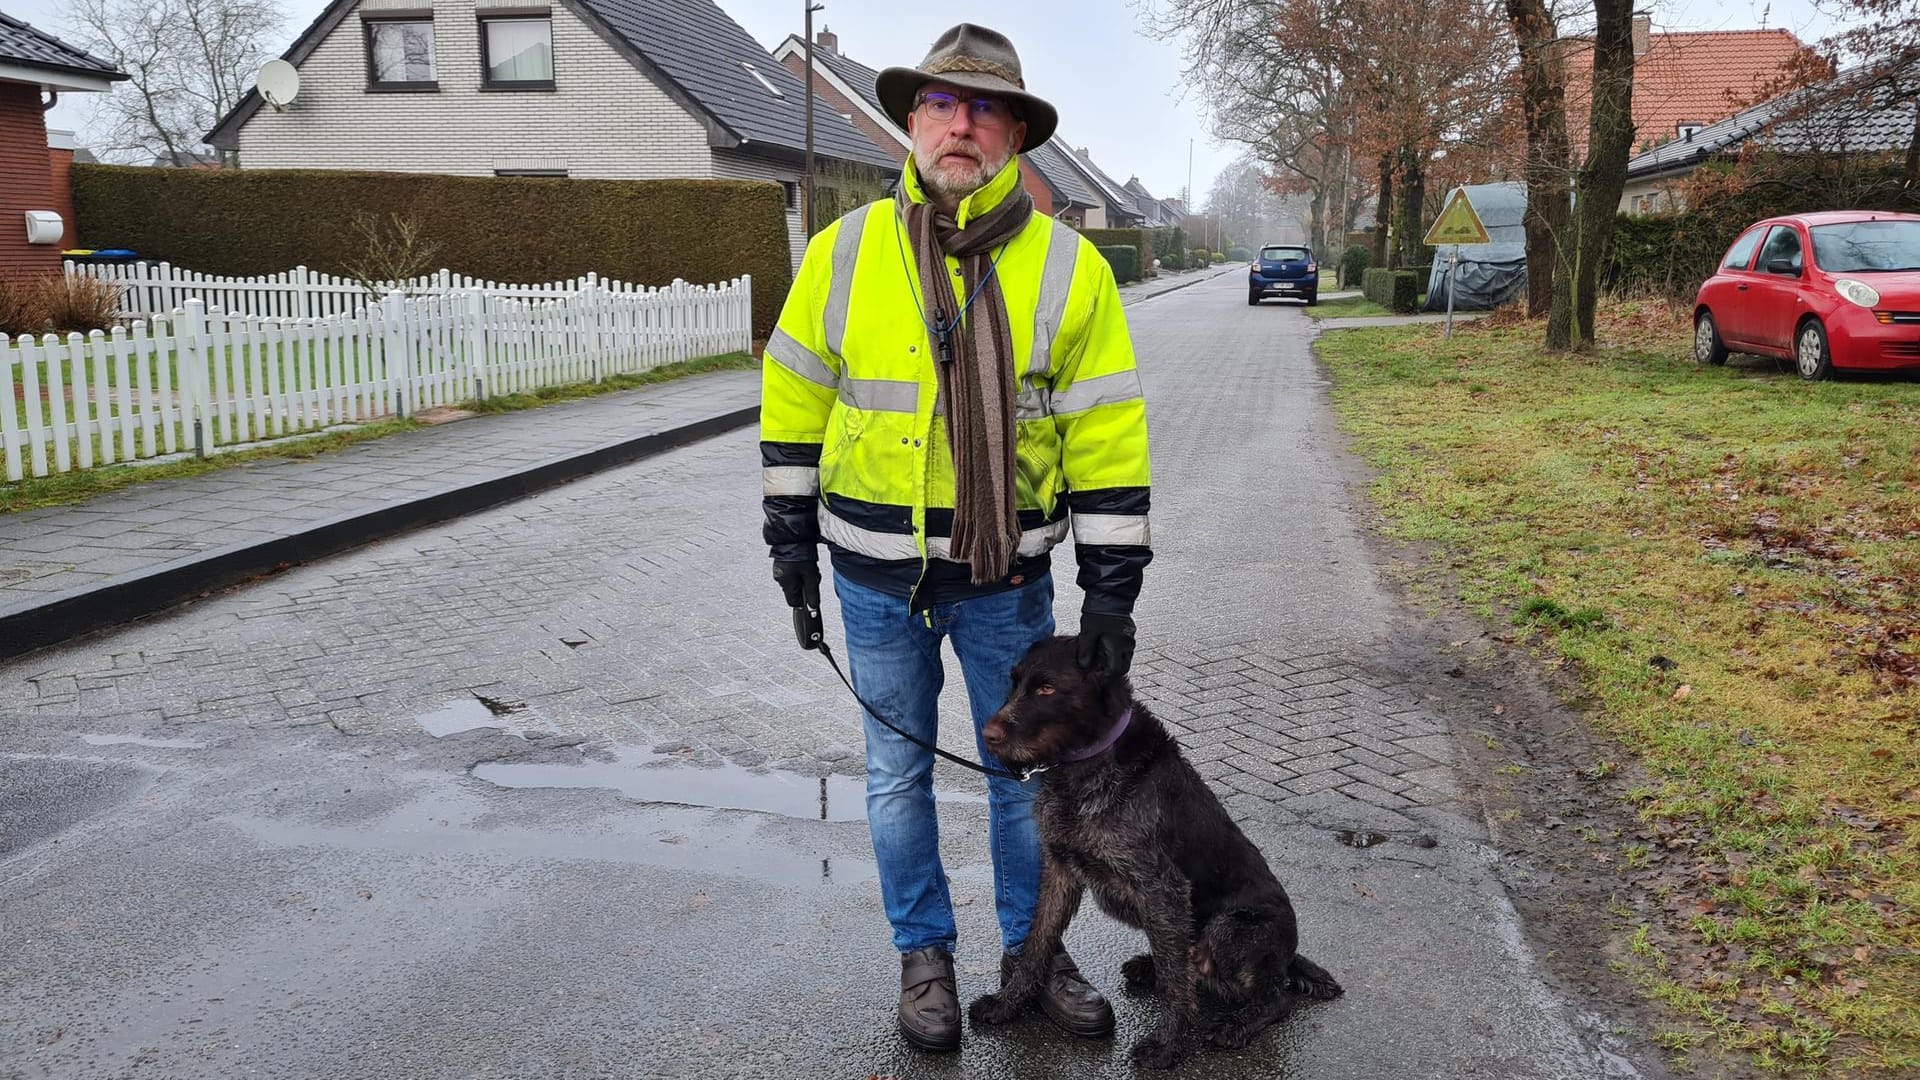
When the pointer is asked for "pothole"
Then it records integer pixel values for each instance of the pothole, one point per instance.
(471, 714)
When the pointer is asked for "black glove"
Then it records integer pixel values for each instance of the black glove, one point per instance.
(1106, 641)
(800, 581)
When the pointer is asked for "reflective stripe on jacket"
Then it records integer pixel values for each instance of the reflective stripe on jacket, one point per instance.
(850, 415)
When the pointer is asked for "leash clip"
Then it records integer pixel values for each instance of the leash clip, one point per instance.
(1029, 773)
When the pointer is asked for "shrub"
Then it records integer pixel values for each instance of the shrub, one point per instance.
(1140, 240)
(1170, 247)
(57, 304)
(1240, 254)
(1219, 256)
(1200, 257)
(1124, 260)
(1354, 262)
(262, 221)
(1395, 290)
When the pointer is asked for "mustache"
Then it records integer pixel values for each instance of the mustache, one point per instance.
(965, 147)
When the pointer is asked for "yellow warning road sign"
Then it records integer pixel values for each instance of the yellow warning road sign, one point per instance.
(1457, 223)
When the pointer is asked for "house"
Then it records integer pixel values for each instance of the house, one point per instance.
(847, 85)
(1853, 113)
(1153, 212)
(36, 215)
(1684, 80)
(1117, 209)
(602, 89)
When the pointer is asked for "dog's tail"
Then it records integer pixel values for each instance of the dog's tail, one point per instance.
(1308, 979)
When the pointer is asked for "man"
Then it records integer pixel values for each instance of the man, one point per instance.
(950, 384)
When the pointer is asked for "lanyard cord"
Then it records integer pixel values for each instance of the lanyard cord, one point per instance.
(940, 331)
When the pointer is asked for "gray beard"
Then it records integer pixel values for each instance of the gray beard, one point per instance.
(935, 186)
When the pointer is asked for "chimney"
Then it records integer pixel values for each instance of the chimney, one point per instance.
(1642, 33)
(829, 41)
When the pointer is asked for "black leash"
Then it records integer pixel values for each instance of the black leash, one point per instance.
(810, 629)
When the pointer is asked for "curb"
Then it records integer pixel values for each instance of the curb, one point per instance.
(1175, 289)
(70, 614)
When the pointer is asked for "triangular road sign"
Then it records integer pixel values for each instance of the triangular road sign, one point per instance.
(1457, 223)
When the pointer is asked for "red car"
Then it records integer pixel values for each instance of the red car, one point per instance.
(1832, 290)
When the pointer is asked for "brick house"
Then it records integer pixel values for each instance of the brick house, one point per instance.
(848, 86)
(34, 69)
(601, 89)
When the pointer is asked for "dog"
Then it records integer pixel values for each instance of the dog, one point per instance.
(1121, 814)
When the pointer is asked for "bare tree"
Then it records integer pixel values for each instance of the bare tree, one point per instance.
(188, 63)
(1543, 104)
(1601, 179)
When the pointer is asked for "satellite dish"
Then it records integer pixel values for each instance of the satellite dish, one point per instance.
(278, 83)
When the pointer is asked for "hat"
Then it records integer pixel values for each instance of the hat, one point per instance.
(971, 58)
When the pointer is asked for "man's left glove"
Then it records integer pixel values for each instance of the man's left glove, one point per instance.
(1106, 641)
(800, 581)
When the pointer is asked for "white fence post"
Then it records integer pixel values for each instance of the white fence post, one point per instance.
(190, 358)
(476, 311)
(399, 350)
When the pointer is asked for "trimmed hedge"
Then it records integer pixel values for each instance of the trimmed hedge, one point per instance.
(1395, 290)
(1140, 240)
(1240, 254)
(1199, 257)
(1170, 247)
(1125, 261)
(511, 229)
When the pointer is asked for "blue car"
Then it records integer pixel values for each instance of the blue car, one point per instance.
(1284, 270)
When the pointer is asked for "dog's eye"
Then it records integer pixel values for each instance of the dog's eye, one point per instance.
(1043, 689)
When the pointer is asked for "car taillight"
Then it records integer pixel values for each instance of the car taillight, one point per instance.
(1311, 267)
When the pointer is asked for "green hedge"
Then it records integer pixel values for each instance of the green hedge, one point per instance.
(1395, 290)
(1354, 262)
(1199, 257)
(1140, 240)
(519, 229)
(1170, 247)
(1125, 261)
(1240, 254)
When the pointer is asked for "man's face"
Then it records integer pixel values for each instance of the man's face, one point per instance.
(961, 139)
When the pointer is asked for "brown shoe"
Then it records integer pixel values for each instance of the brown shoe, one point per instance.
(1069, 1000)
(929, 1003)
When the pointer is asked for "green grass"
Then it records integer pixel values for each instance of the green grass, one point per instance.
(1353, 307)
(81, 485)
(1763, 535)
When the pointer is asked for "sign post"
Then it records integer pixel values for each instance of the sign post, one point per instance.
(1457, 224)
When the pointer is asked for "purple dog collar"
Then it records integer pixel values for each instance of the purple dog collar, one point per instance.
(1113, 736)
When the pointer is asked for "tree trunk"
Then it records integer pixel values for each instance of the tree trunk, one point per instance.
(1913, 151)
(1413, 205)
(1383, 211)
(1317, 219)
(1609, 143)
(1543, 105)
(1336, 238)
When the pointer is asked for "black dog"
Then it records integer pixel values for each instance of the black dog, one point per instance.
(1122, 813)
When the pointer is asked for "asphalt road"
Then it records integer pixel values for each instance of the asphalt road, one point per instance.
(547, 792)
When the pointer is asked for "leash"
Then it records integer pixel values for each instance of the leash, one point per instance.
(810, 629)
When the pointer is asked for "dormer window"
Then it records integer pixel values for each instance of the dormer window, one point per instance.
(400, 53)
(764, 81)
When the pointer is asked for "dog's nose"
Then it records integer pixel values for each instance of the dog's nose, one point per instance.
(993, 734)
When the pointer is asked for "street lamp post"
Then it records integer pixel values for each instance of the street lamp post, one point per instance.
(806, 178)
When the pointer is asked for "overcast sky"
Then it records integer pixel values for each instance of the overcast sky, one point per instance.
(1118, 91)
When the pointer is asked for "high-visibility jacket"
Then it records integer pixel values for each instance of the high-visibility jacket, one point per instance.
(854, 440)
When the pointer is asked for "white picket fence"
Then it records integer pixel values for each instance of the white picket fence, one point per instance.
(200, 378)
(149, 289)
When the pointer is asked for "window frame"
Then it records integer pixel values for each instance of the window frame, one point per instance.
(487, 81)
(367, 24)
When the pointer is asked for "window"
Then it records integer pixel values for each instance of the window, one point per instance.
(1864, 246)
(1782, 243)
(1740, 255)
(793, 193)
(400, 54)
(1284, 254)
(764, 81)
(561, 173)
(517, 52)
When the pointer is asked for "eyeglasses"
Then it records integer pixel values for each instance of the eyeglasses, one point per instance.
(982, 111)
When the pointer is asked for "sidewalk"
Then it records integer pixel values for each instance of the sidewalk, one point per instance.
(69, 570)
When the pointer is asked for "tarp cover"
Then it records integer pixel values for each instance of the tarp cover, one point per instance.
(1493, 273)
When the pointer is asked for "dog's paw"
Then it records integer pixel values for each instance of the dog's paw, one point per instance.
(993, 1009)
(1154, 1052)
(1138, 972)
(1229, 1035)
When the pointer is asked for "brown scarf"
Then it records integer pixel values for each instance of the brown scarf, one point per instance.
(976, 381)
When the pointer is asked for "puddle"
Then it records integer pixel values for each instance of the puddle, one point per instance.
(1356, 838)
(660, 778)
(142, 740)
(471, 714)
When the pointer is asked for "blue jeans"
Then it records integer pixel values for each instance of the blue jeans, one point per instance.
(896, 665)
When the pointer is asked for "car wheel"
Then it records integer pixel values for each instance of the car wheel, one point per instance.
(1253, 299)
(1313, 298)
(1707, 346)
(1810, 353)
